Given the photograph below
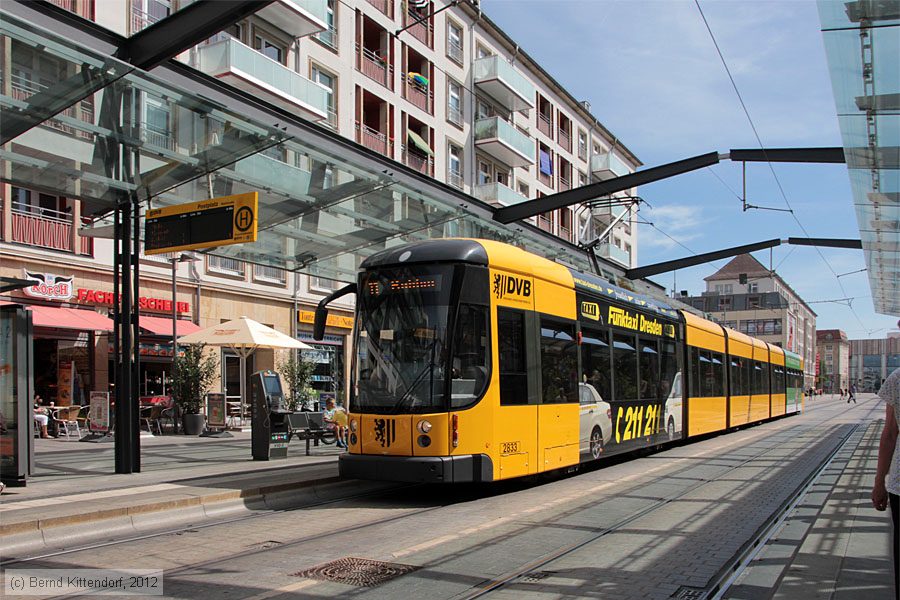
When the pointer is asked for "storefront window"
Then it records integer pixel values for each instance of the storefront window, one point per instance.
(328, 356)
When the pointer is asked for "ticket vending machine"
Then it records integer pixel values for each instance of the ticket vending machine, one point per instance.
(270, 433)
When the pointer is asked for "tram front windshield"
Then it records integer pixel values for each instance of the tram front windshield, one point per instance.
(403, 339)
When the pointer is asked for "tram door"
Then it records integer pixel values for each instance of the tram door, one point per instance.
(515, 422)
(558, 412)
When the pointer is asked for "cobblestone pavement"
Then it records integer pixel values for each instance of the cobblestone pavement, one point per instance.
(661, 526)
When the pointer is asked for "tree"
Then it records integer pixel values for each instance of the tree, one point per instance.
(297, 374)
(194, 373)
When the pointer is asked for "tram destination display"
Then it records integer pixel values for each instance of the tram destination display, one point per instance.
(205, 224)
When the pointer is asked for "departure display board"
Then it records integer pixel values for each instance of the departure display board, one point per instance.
(205, 224)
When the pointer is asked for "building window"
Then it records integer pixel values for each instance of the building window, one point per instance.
(272, 49)
(329, 37)
(752, 288)
(454, 42)
(269, 274)
(482, 52)
(723, 288)
(330, 81)
(454, 102)
(523, 189)
(725, 303)
(483, 110)
(485, 172)
(582, 145)
(454, 166)
(221, 264)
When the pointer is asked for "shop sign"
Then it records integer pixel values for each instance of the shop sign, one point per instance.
(99, 414)
(49, 286)
(215, 410)
(101, 298)
(308, 316)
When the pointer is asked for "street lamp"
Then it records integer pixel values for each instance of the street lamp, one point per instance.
(184, 257)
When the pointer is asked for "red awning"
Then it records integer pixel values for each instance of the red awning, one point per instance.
(69, 318)
(161, 326)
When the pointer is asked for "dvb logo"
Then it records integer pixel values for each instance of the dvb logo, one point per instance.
(507, 285)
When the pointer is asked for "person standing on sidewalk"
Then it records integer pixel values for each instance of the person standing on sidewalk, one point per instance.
(886, 489)
(851, 394)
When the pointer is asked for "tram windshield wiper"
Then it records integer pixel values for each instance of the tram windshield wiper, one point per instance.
(429, 368)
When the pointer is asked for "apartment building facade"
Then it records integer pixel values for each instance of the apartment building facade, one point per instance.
(834, 360)
(452, 97)
(746, 296)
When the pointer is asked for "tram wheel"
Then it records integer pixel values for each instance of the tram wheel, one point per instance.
(596, 442)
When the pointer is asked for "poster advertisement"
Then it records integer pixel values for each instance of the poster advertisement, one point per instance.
(64, 380)
(99, 414)
(215, 410)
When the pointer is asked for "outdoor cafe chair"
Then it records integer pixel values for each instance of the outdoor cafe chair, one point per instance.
(66, 418)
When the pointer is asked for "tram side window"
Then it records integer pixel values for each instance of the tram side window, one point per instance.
(559, 362)
(649, 362)
(512, 362)
(737, 377)
(765, 378)
(470, 355)
(595, 360)
(757, 378)
(717, 382)
(777, 380)
(625, 367)
(668, 370)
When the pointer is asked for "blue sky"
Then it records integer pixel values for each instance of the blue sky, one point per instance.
(652, 75)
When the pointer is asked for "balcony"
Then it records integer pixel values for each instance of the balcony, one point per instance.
(329, 37)
(565, 140)
(374, 139)
(615, 254)
(45, 228)
(375, 68)
(455, 179)
(262, 171)
(504, 142)
(141, 19)
(417, 96)
(545, 125)
(422, 164)
(246, 69)
(297, 17)
(422, 30)
(497, 193)
(385, 6)
(564, 184)
(608, 166)
(500, 80)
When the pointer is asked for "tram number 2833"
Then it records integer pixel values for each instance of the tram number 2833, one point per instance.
(634, 422)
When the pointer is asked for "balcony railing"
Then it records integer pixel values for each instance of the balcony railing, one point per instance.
(161, 139)
(545, 223)
(608, 165)
(418, 96)
(329, 37)
(141, 19)
(252, 71)
(385, 6)
(422, 30)
(454, 115)
(422, 164)
(332, 120)
(221, 264)
(545, 179)
(24, 88)
(455, 179)
(565, 140)
(45, 228)
(269, 274)
(564, 184)
(373, 139)
(376, 68)
(496, 192)
(615, 253)
(503, 83)
(545, 125)
(504, 141)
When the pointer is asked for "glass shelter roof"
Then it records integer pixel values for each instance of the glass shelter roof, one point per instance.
(862, 42)
(177, 136)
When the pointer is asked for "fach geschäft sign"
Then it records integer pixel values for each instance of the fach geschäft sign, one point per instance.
(205, 224)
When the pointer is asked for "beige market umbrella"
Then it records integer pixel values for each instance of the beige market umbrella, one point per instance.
(244, 336)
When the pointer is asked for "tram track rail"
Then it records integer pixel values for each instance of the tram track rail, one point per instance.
(518, 574)
(733, 568)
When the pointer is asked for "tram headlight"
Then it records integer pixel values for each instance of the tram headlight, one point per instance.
(424, 426)
(353, 425)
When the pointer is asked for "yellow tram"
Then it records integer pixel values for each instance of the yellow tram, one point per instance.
(475, 360)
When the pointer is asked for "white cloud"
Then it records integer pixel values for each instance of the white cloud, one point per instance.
(682, 222)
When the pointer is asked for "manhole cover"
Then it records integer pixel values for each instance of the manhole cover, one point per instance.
(357, 571)
(689, 593)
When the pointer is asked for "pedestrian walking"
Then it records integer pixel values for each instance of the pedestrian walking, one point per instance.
(851, 394)
(886, 489)
(843, 393)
